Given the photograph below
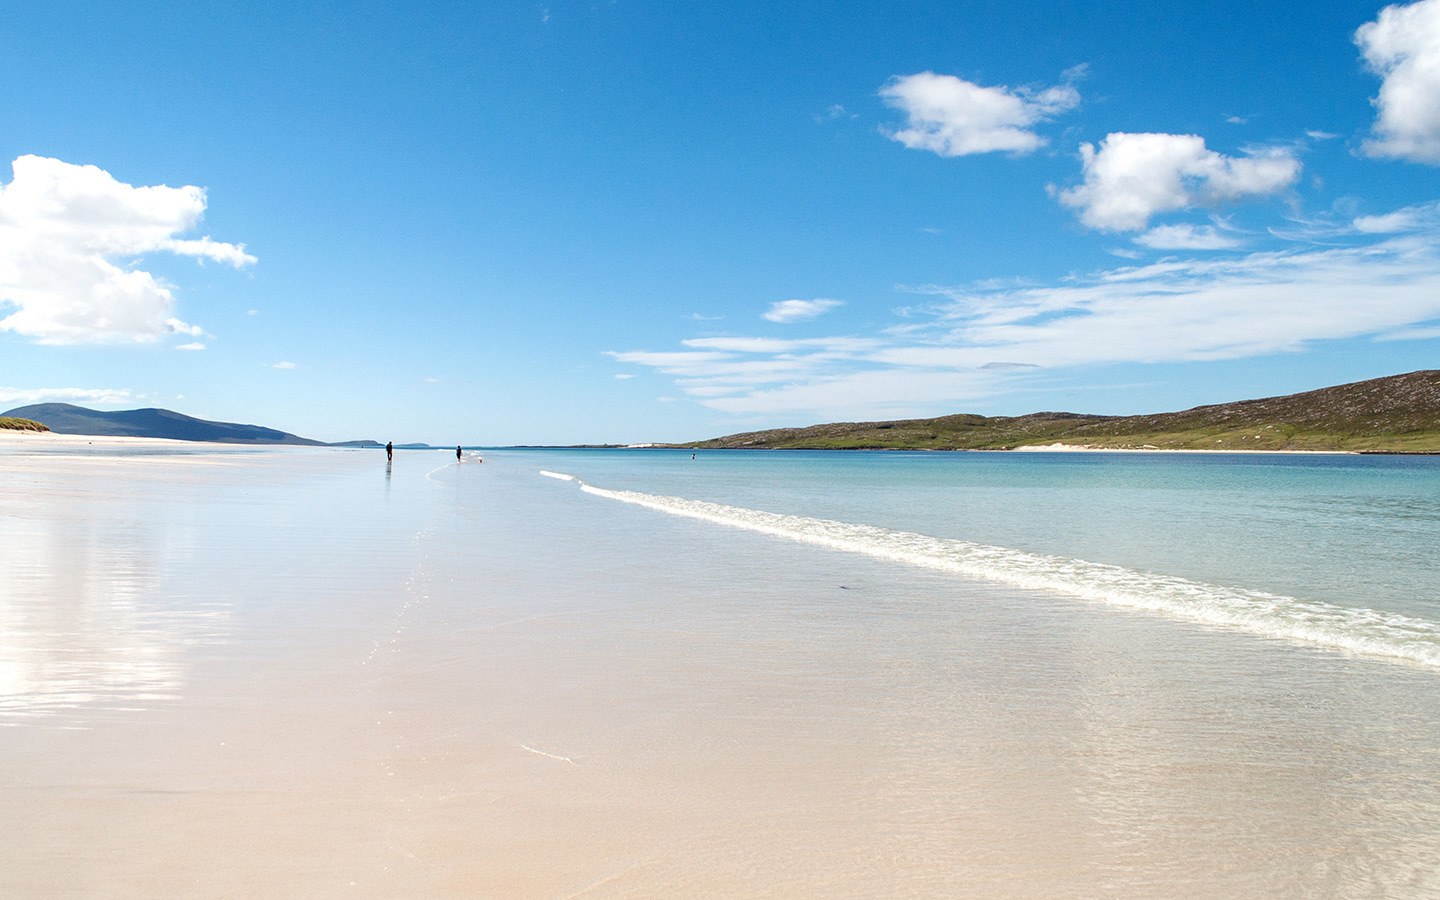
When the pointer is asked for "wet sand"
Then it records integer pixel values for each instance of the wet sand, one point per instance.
(293, 673)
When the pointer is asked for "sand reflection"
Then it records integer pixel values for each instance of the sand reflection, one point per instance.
(84, 620)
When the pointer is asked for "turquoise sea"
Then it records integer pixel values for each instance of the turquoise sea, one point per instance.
(1336, 550)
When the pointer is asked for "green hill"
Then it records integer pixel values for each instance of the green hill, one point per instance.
(1397, 414)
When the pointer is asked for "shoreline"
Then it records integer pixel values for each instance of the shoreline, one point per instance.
(13, 437)
(1086, 448)
(58, 440)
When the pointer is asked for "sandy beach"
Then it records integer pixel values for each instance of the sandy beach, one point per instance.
(298, 673)
(52, 440)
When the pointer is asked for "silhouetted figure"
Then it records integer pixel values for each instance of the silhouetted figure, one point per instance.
(389, 451)
(457, 452)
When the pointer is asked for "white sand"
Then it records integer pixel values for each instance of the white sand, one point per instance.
(49, 439)
(305, 674)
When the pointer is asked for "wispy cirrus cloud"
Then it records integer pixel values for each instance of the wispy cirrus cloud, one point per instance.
(783, 311)
(1130, 178)
(1402, 46)
(971, 342)
(1410, 218)
(1187, 237)
(950, 116)
(101, 396)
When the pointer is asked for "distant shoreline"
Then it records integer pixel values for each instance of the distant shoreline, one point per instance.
(1085, 448)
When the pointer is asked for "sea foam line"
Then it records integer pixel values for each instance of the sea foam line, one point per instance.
(1366, 631)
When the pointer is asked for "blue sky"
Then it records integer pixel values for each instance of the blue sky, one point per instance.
(621, 221)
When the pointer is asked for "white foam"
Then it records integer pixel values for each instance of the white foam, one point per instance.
(559, 475)
(551, 755)
(1366, 631)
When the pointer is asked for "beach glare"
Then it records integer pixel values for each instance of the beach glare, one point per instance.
(299, 672)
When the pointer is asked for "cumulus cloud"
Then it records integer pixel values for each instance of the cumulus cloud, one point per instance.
(62, 229)
(1186, 237)
(1132, 177)
(284, 365)
(194, 345)
(1402, 46)
(952, 117)
(101, 396)
(973, 342)
(797, 310)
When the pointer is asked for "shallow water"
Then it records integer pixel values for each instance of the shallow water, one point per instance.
(289, 673)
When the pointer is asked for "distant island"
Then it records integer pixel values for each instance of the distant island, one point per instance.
(66, 418)
(1396, 414)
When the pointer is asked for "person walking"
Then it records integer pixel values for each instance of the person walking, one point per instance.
(457, 453)
(389, 451)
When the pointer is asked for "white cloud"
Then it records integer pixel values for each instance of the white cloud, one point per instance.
(1186, 237)
(1125, 252)
(1389, 223)
(795, 310)
(981, 340)
(1321, 135)
(1402, 46)
(1411, 334)
(953, 117)
(1409, 218)
(624, 376)
(102, 396)
(62, 227)
(284, 365)
(252, 312)
(779, 345)
(194, 345)
(1132, 177)
(834, 112)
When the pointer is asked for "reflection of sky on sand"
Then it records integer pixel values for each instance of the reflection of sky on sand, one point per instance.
(84, 621)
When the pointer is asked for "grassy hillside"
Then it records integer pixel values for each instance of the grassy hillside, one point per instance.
(1398, 414)
(10, 423)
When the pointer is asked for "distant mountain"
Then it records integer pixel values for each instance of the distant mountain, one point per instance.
(65, 418)
(1397, 414)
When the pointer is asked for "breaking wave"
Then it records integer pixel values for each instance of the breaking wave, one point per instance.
(1313, 622)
